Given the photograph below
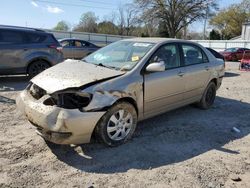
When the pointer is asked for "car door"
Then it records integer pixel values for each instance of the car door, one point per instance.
(198, 71)
(79, 49)
(164, 90)
(240, 53)
(67, 49)
(13, 48)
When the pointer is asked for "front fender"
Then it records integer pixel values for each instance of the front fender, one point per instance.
(105, 94)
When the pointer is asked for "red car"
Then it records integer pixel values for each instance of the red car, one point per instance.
(233, 54)
(245, 61)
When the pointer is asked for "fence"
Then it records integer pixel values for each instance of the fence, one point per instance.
(220, 45)
(99, 39)
(104, 39)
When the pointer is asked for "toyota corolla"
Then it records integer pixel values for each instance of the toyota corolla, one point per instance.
(109, 91)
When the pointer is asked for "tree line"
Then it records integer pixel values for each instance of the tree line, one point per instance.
(166, 18)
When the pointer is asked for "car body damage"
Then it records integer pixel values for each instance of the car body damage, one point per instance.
(72, 74)
(109, 91)
(57, 121)
(61, 126)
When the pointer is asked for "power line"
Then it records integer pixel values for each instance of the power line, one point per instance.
(70, 4)
(97, 2)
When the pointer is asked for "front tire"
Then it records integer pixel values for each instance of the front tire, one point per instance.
(208, 97)
(117, 125)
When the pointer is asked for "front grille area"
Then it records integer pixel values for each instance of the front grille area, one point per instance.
(37, 92)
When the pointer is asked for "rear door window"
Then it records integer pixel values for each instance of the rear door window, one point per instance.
(193, 55)
(78, 44)
(11, 37)
(35, 38)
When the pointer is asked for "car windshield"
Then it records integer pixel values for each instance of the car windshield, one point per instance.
(121, 55)
(231, 50)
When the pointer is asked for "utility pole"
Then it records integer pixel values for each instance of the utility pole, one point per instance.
(206, 17)
(205, 22)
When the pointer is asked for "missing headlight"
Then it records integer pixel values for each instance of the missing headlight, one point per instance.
(36, 91)
(76, 100)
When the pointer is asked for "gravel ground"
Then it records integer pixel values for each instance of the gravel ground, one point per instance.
(187, 147)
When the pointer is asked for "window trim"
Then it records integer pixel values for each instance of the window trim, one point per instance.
(195, 46)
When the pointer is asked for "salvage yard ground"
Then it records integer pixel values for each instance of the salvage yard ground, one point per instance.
(187, 147)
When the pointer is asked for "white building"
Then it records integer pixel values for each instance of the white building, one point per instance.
(245, 33)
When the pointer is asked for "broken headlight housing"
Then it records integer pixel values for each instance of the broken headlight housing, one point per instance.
(69, 100)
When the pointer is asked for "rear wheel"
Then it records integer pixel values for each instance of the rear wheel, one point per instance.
(117, 125)
(208, 97)
(37, 67)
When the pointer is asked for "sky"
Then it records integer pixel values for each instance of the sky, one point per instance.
(47, 13)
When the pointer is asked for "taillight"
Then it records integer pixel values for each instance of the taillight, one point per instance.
(58, 48)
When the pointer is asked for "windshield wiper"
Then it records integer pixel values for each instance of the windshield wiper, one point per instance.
(110, 67)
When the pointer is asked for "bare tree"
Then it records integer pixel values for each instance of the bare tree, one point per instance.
(177, 14)
(121, 21)
(131, 19)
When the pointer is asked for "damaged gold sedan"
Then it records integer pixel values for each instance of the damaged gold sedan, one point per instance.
(108, 92)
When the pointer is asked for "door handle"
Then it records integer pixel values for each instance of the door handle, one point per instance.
(207, 68)
(181, 74)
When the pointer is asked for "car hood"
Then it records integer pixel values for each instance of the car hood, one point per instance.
(72, 74)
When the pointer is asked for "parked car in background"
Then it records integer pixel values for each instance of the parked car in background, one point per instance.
(76, 48)
(27, 50)
(233, 54)
(109, 91)
(245, 61)
(216, 54)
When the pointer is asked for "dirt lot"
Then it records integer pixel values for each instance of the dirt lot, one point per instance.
(187, 147)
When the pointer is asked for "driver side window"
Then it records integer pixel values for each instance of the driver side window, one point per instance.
(169, 54)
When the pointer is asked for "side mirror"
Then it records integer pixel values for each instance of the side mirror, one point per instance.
(156, 67)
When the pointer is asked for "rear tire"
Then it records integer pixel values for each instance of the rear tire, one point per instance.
(37, 67)
(208, 97)
(117, 125)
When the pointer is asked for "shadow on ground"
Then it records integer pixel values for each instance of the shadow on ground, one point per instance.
(230, 74)
(6, 100)
(169, 138)
(13, 83)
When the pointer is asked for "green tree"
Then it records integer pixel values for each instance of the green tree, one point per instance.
(88, 23)
(62, 26)
(107, 27)
(214, 35)
(229, 21)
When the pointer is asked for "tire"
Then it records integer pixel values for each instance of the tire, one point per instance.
(208, 97)
(117, 125)
(37, 67)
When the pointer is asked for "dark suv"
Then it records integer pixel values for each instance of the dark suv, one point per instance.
(27, 50)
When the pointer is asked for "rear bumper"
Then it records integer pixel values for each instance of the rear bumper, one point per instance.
(58, 125)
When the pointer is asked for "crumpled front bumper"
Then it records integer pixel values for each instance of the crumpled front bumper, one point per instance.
(58, 125)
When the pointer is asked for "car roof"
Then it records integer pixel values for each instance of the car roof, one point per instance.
(71, 39)
(21, 28)
(157, 40)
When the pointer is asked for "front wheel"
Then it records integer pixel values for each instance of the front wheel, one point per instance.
(117, 125)
(208, 97)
